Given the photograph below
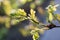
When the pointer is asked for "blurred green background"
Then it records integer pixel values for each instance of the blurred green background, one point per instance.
(9, 28)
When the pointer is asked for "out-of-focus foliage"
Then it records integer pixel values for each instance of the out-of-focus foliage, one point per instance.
(3, 32)
(24, 32)
(7, 6)
(14, 4)
(32, 5)
(57, 16)
(15, 15)
(5, 20)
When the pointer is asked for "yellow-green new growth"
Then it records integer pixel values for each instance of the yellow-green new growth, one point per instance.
(32, 16)
(50, 10)
(35, 34)
(21, 12)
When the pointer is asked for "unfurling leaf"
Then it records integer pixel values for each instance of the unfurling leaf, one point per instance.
(32, 16)
(50, 10)
(19, 15)
(32, 13)
(52, 7)
(50, 17)
(21, 12)
(35, 34)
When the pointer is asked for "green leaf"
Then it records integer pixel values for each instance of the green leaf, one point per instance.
(21, 12)
(50, 17)
(35, 34)
(18, 13)
(32, 16)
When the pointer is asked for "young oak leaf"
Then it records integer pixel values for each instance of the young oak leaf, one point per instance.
(21, 12)
(35, 34)
(32, 16)
(50, 10)
(32, 13)
(50, 16)
(18, 13)
(52, 7)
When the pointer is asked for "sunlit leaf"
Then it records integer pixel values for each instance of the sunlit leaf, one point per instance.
(32, 13)
(21, 12)
(35, 34)
(50, 17)
(32, 16)
(19, 15)
(50, 10)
